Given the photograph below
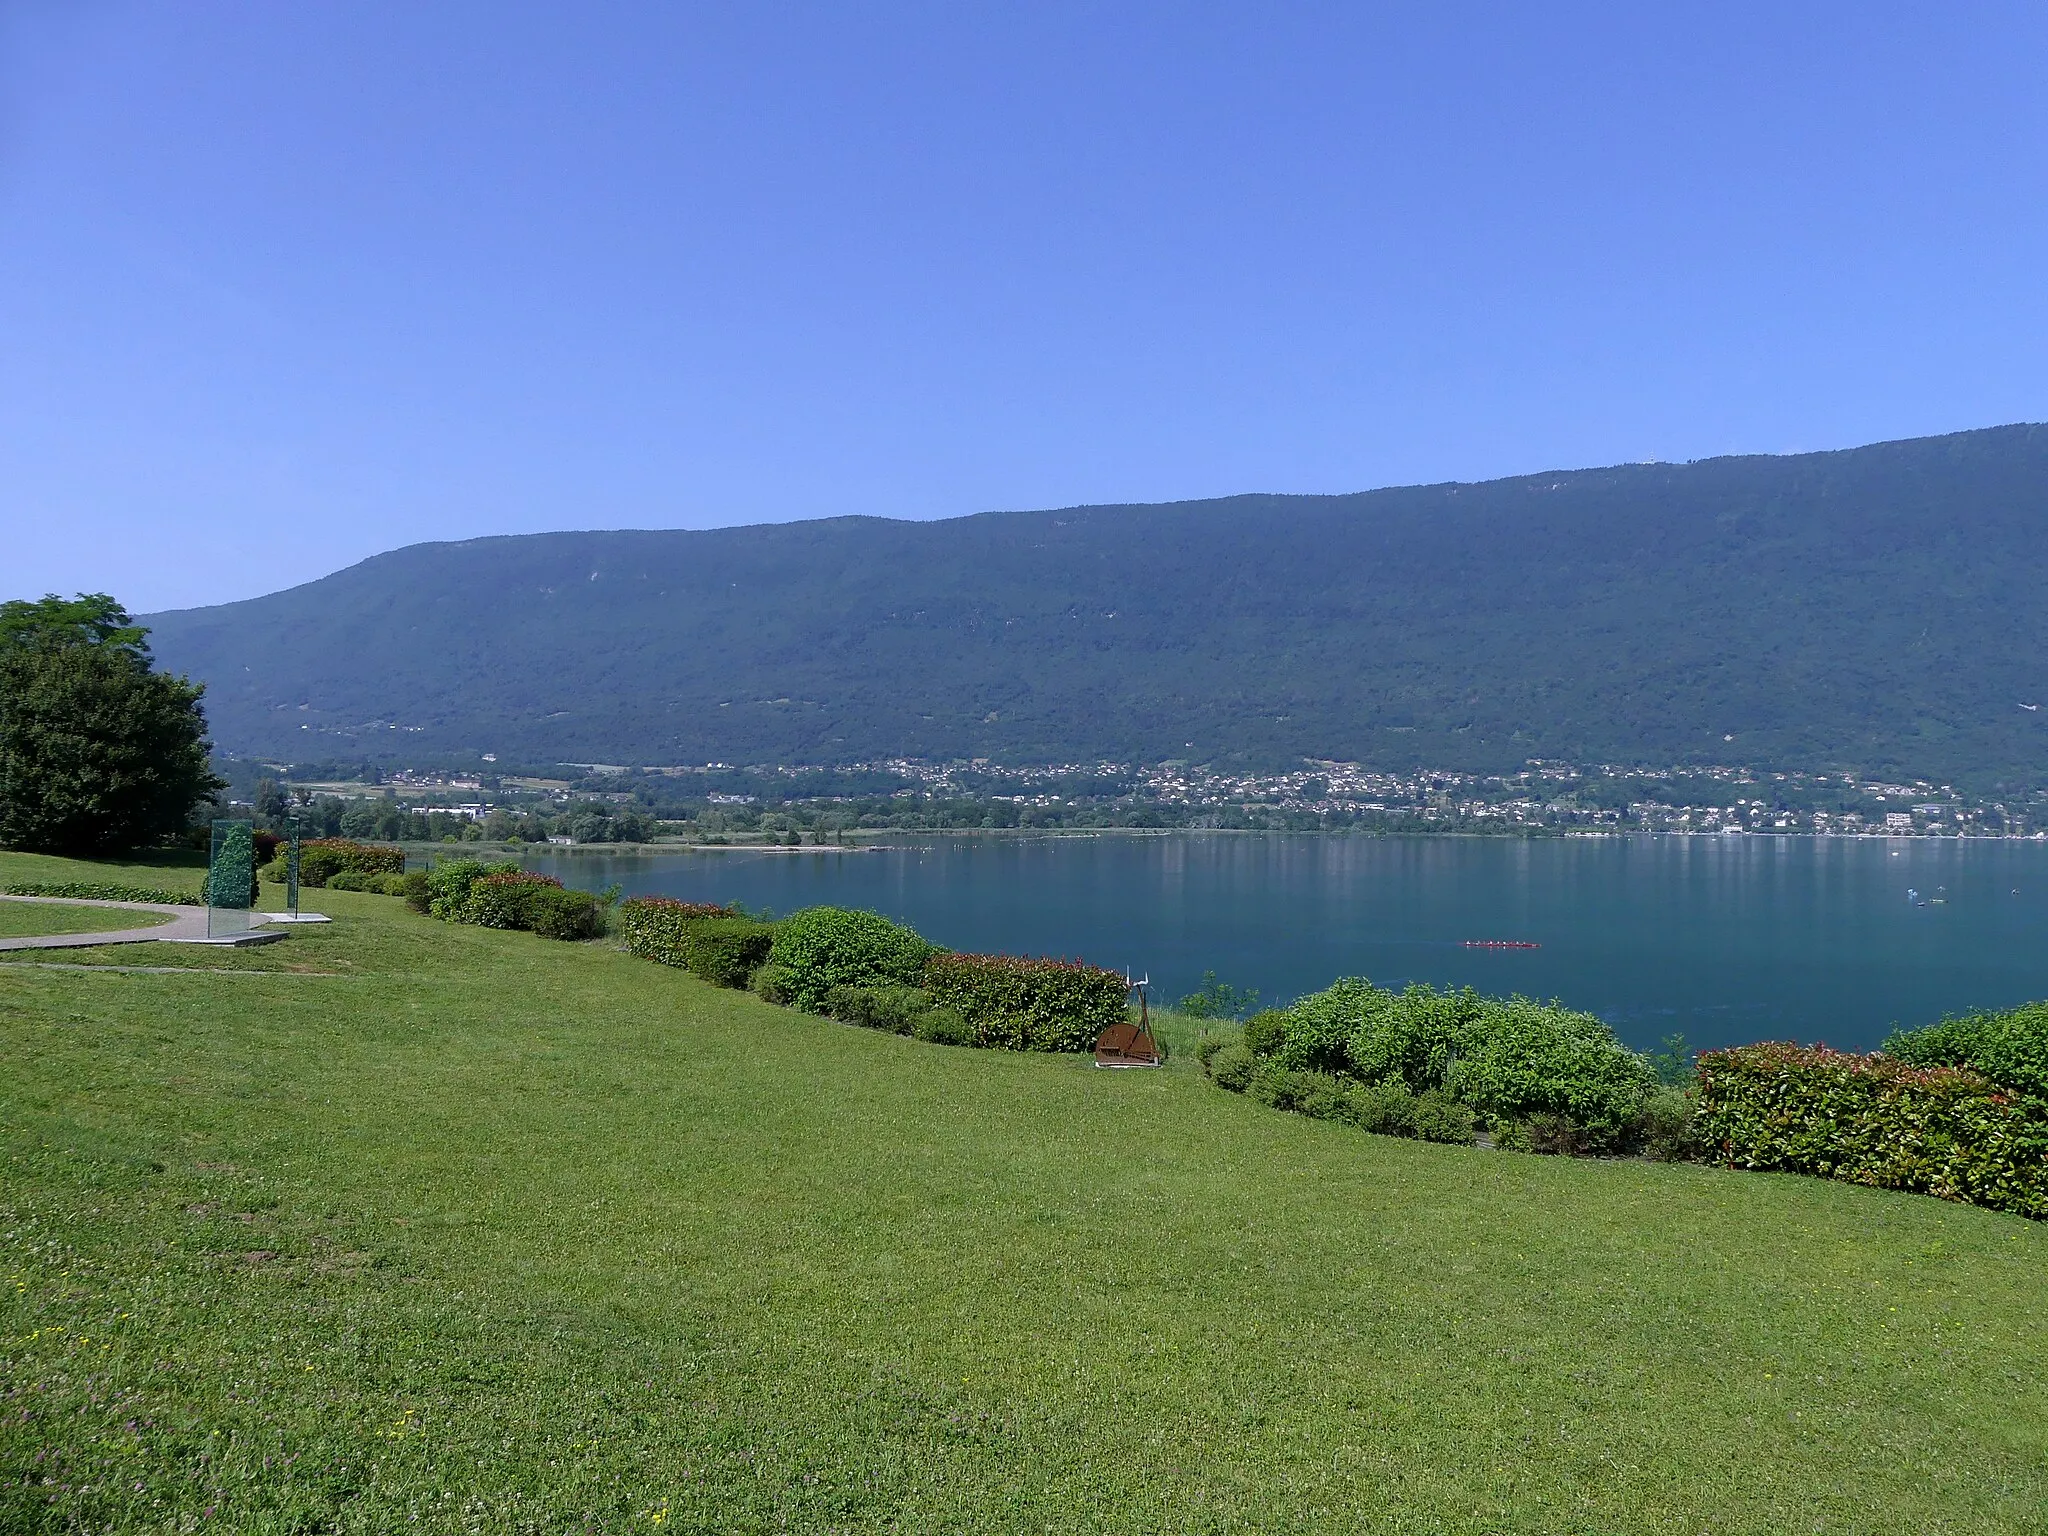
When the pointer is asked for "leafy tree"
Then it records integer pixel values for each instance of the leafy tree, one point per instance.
(272, 803)
(53, 623)
(1218, 1000)
(98, 752)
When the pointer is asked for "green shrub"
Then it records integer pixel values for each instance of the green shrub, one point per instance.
(555, 913)
(1232, 1067)
(93, 890)
(1666, 1127)
(322, 858)
(1527, 1058)
(376, 885)
(942, 1026)
(1875, 1120)
(1207, 1047)
(1555, 1135)
(1265, 1033)
(1028, 1005)
(1271, 1085)
(417, 890)
(726, 951)
(2010, 1048)
(1505, 1059)
(1439, 1117)
(1314, 1034)
(507, 899)
(771, 984)
(1512, 1136)
(821, 948)
(448, 886)
(1319, 1096)
(1386, 1109)
(894, 1009)
(657, 927)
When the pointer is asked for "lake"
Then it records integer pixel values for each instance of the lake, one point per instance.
(1724, 939)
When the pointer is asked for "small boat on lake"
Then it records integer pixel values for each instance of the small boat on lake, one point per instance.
(1501, 944)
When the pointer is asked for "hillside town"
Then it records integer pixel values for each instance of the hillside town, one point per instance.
(594, 802)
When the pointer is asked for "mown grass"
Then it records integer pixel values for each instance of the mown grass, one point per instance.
(449, 1230)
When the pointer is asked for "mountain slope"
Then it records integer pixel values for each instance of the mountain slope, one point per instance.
(1883, 608)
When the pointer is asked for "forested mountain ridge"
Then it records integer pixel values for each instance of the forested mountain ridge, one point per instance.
(1881, 608)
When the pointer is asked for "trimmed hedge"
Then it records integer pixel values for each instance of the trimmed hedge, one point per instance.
(91, 890)
(2010, 1048)
(657, 928)
(1020, 1004)
(726, 951)
(507, 900)
(381, 885)
(820, 948)
(448, 886)
(1875, 1120)
(566, 915)
(713, 943)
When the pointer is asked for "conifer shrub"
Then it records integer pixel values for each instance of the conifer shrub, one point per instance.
(820, 948)
(1876, 1120)
(1018, 1004)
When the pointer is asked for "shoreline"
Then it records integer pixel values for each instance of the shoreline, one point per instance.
(885, 840)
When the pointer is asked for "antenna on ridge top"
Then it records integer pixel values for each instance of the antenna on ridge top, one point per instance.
(1130, 1044)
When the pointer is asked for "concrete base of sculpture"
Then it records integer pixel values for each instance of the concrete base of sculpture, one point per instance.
(231, 940)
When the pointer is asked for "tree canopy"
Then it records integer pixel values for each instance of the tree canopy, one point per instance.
(99, 752)
(55, 623)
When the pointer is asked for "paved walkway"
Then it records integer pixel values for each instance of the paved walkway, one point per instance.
(187, 923)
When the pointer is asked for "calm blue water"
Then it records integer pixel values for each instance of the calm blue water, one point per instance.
(1726, 939)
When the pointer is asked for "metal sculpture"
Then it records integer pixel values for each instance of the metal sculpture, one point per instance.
(1127, 1044)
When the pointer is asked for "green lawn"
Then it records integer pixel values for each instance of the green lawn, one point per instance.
(28, 919)
(408, 1227)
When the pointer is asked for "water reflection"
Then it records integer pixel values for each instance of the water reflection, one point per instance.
(1724, 938)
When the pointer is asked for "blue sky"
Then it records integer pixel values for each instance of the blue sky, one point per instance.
(285, 285)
